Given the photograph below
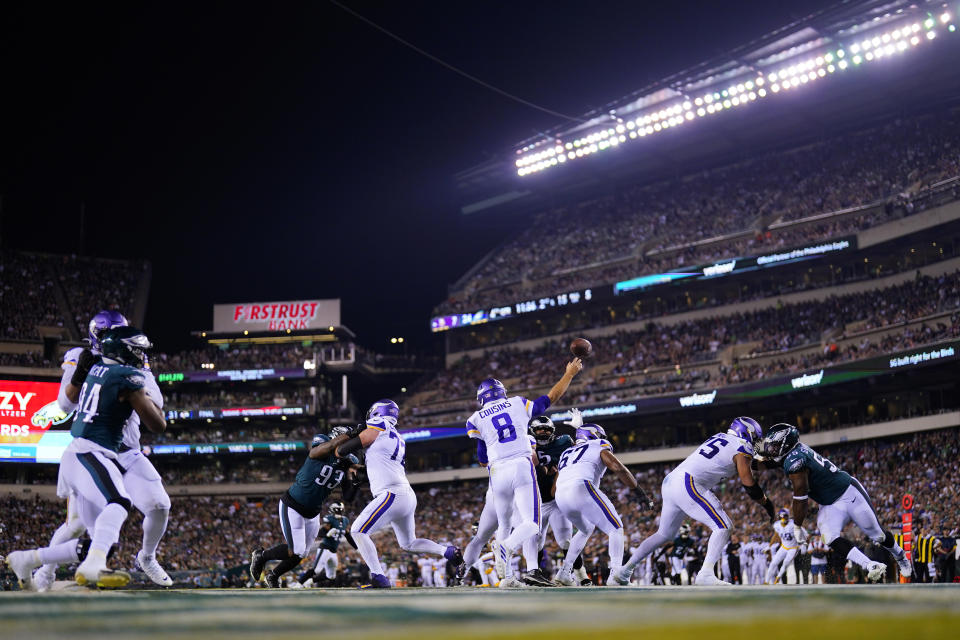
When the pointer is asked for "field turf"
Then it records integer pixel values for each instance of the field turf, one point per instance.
(670, 613)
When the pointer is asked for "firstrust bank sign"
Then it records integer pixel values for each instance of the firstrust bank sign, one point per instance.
(276, 316)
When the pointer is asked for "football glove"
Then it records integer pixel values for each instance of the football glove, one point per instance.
(356, 431)
(85, 361)
(576, 419)
(643, 500)
(50, 414)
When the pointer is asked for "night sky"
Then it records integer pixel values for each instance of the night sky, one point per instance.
(289, 151)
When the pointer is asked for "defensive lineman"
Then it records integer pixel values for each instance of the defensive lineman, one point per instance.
(579, 497)
(841, 498)
(687, 491)
(500, 426)
(394, 501)
(109, 393)
(299, 507)
(139, 475)
(787, 535)
(550, 448)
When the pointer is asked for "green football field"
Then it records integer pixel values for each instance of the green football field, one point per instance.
(673, 613)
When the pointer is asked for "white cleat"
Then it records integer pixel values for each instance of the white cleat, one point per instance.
(22, 563)
(620, 577)
(510, 582)
(153, 569)
(906, 567)
(500, 561)
(875, 571)
(710, 580)
(566, 578)
(93, 572)
(44, 577)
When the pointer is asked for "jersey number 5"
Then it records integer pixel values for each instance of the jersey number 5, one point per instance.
(506, 432)
(710, 447)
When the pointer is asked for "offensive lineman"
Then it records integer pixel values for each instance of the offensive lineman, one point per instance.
(579, 497)
(789, 538)
(89, 472)
(300, 505)
(139, 475)
(394, 501)
(687, 491)
(499, 426)
(841, 498)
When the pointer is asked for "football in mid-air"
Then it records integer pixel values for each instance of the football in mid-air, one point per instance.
(581, 347)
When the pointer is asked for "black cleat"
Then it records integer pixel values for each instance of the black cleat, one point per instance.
(536, 578)
(273, 580)
(256, 564)
(586, 583)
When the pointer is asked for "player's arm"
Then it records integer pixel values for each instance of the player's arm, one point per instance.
(801, 486)
(71, 391)
(150, 415)
(573, 368)
(750, 484)
(324, 449)
(613, 464)
(360, 437)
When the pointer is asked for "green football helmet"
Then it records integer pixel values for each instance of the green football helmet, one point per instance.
(779, 441)
(126, 345)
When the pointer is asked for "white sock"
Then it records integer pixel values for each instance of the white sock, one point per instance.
(423, 545)
(368, 551)
(61, 553)
(716, 545)
(521, 533)
(106, 530)
(531, 552)
(646, 548)
(577, 543)
(154, 526)
(472, 552)
(66, 531)
(857, 557)
(616, 550)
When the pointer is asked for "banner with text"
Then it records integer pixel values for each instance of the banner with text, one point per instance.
(295, 315)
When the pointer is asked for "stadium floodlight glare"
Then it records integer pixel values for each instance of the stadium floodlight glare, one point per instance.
(877, 44)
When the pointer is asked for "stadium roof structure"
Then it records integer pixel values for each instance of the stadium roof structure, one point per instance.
(848, 64)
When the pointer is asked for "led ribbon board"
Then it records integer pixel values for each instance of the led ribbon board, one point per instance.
(237, 412)
(232, 375)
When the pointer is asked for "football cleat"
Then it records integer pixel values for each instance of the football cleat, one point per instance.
(272, 580)
(44, 577)
(536, 578)
(93, 572)
(875, 571)
(565, 578)
(377, 581)
(153, 569)
(500, 559)
(620, 577)
(709, 580)
(22, 563)
(510, 582)
(903, 562)
(586, 582)
(256, 564)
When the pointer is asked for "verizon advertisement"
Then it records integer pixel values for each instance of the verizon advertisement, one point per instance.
(276, 316)
(28, 410)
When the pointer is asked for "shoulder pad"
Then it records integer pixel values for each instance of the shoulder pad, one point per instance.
(70, 357)
(605, 444)
(564, 439)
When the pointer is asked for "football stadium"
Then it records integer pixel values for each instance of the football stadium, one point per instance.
(684, 363)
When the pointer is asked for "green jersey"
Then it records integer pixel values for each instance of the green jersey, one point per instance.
(827, 481)
(315, 480)
(681, 544)
(101, 414)
(338, 529)
(549, 455)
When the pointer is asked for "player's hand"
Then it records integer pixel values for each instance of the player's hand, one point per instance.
(574, 367)
(576, 418)
(643, 500)
(768, 507)
(356, 431)
(85, 361)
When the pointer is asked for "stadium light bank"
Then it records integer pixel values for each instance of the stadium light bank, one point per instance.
(762, 80)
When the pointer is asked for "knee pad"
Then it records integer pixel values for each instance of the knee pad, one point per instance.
(123, 502)
(841, 546)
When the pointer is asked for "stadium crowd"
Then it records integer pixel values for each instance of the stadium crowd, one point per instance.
(27, 298)
(215, 534)
(624, 235)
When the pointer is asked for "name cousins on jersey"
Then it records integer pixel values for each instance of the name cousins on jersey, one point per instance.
(497, 408)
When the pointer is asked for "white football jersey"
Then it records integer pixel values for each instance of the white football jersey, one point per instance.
(385, 459)
(787, 539)
(582, 462)
(131, 428)
(714, 462)
(502, 425)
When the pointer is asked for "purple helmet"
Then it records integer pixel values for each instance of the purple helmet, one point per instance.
(590, 431)
(381, 410)
(783, 514)
(104, 320)
(746, 429)
(490, 389)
